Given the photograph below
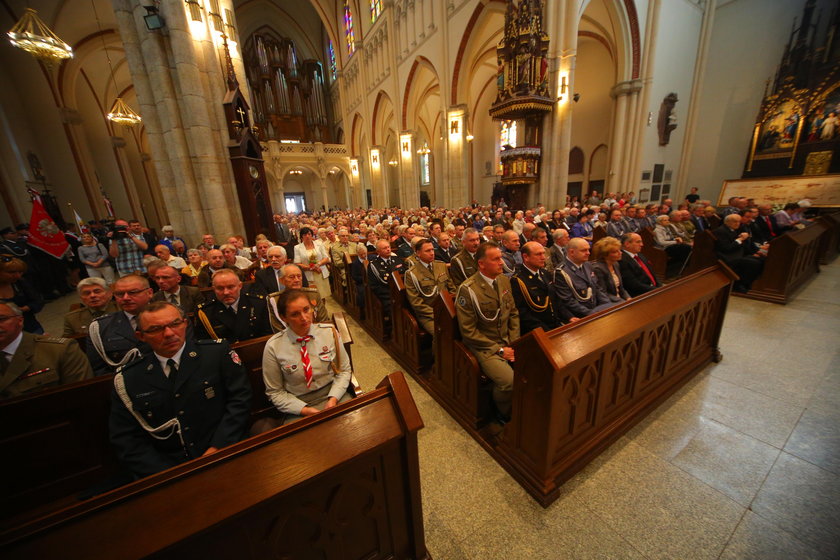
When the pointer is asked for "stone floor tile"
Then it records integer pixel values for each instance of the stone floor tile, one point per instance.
(816, 439)
(759, 539)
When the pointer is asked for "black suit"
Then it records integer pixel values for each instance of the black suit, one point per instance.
(607, 282)
(117, 338)
(445, 255)
(738, 256)
(265, 281)
(214, 319)
(188, 298)
(635, 281)
(532, 295)
(700, 223)
(768, 232)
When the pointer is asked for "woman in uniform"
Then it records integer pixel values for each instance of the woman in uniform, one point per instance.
(305, 367)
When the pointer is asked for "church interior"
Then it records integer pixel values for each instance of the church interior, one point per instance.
(233, 110)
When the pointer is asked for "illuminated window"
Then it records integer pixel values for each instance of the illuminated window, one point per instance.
(349, 34)
(424, 169)
(375, 9)
(331, 55)
(507, 137)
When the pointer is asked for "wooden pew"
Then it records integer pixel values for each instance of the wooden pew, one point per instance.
(374, 318)
(658, 257)
(793, 258)
(411, 346)
(350, 299)
(830, 242)
(339, 292)
(54, 444)
(702, 253)
(357, 497)
(456, 381)
(585, 384)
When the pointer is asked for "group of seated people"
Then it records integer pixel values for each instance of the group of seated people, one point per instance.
(166, 331)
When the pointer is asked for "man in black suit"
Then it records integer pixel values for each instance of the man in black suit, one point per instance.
(766, 223)
(185, 297)
(445, 251)
(636, 271)
(267, 280)
(232, 315)
(734, 246)
(698, 218)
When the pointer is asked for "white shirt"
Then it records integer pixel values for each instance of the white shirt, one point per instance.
(176, 358)
(12, 347)
(488, 280)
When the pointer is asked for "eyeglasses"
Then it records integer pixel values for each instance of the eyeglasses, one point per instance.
(131, 293)
(157, 329)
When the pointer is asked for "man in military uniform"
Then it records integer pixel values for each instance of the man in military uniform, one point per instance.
(232, 315)
(531, 286)
(489, 323)
(423, 283)
(339, 250)
(511, 256)
(463, 265)
(292, 279)
(185, 297)
(404, 247)
(575, 286)
(380, 269)
(31, 362)
(97, 300)
(180, 401)
(111, 339)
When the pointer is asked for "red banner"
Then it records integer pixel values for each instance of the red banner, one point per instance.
(43, 233)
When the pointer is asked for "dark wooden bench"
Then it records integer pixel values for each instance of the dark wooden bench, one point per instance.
(374, 320)
(793, 258)
(657, 257)
(702, 253)
(310, 489)
(830, 242)
(410, 344)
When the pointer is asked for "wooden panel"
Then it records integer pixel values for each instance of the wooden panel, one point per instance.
(830, 242)
(411, 345)
(658, 257)
(352, 491)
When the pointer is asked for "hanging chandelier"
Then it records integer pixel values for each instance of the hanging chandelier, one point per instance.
(120, 112)
(31, 34)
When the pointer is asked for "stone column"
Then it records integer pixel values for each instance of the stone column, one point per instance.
(615, 170)
(324, 199)
(456, 188)
(377, 187)
(409, 178)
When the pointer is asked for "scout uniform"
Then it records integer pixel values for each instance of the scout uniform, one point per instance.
(319, 305)
(462, 266)
(161, 418)
(78, 320)
(40, 362)
(489, 320)
(532, 294)
(423, 283)
(284, 374)
(217, 320)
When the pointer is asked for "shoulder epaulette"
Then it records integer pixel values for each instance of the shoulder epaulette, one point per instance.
(258, 296)
(53, 339)
(203, 303)
(325, 325)
(205, 341)
(136, 360)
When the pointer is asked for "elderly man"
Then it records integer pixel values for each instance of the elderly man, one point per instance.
(531, 287)
(511, 256)
(127, 249)
(209, 241)
(215, 263)
(575, 287)
(463, 264)
(268, 280)
(617, 225)
(489, 323)
(111, 341)
(734, 247)
(169, 289)
(424, 281)
(445, 249)
(30, 362)
(180, 401)
(292, 278)
(232, 257)
(339, 252)
(163, 253)
(666, 237)
(557, 252)
(239, 242)
(636, 271)
(169, 237)
(232, 315)
(404, 248)
(97, 300)
(380, 269)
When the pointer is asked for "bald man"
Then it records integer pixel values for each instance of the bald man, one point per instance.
(575, 288)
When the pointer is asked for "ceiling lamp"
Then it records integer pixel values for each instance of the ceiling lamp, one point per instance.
(120, 112)
(424, 150)
(32, 35)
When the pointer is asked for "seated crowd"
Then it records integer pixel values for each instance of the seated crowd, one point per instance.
(162, 317)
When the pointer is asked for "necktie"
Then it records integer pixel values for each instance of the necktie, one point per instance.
(700, 224)
(173, 299)
(173, 369)
(133, 322)
(641, 263)
(4, 362)
(770, 226)
(304, 358)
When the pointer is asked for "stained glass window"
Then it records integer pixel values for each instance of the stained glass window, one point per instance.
(331, 54)
(349, 34)
(375, 9)
(424, 169)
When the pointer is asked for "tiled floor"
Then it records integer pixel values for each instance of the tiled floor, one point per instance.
(743, 462)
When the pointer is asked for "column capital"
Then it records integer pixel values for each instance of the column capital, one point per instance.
(625, 88)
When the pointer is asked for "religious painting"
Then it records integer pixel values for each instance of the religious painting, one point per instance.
(646, 175)
(823, 120)
(778, 131)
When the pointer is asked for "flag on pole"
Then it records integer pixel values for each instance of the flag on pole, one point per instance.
(80, 223)
(108, 206)
(43, 233)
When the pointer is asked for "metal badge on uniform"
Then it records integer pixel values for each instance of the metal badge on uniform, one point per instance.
(462, 301)
(325, 349)
(150, 367)
(193, 354)
(235, 358)
(209, 392)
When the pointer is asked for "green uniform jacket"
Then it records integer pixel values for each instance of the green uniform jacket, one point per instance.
(422, 286)
(78, 320)
(41, 362)
(462, 266)
(488, 319)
